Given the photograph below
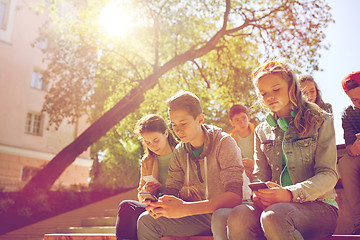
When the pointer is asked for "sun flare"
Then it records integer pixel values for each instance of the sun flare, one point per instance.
(114, 19)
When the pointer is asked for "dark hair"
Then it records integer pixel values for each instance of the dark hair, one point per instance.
(319, 101)
(153, 123)
(184, 100)
(236, 109)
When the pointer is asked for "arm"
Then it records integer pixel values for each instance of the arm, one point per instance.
(326, 176)
(172, 207)
(353, 149)
(176, 174)
(146, 169)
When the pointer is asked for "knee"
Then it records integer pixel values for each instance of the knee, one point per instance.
(241, 216)
(221, 214)
(124, 207)
(144, 220)
(219, 218)
(271, 218)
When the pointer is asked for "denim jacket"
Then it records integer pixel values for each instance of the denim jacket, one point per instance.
(311, 160)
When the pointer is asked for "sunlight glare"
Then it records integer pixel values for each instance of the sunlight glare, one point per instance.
(114, 19)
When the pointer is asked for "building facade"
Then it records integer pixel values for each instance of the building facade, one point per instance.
(26, 144)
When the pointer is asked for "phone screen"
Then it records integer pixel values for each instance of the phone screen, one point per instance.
(257, 186)
(148, 196)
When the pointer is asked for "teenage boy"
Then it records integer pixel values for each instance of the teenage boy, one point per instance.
(206, 157)
(349, 165)
(243, 133)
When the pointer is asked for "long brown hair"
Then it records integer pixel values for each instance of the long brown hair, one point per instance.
(307, 78)
(153, 123)
(307, 114)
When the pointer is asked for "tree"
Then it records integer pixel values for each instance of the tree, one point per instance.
(208, 47)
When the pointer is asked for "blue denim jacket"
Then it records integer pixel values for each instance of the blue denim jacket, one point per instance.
(311, 159)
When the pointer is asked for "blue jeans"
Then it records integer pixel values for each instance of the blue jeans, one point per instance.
(349, 168)
(309, 220)
(127, 217)
(153, 229)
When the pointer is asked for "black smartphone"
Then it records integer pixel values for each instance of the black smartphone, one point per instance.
(148, 196)
(257, 185)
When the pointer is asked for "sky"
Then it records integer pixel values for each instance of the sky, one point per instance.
(342, 58)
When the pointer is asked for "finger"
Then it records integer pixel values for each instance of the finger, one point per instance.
(272, 184)
(165, 198)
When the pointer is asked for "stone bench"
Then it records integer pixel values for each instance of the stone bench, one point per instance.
(112, 237)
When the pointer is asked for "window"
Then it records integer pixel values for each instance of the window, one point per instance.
(33, 123)
(4, 13)
(36, 81)
(7, 15)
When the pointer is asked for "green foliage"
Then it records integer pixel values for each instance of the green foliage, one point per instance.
(89, 70)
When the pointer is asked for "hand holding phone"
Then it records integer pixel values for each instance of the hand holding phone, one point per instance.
(257, 185)
(148, 196)
(150, 178)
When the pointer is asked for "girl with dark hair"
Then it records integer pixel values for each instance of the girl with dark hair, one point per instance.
(312, 93)
(159, 143)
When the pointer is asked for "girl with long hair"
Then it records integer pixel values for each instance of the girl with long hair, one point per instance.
(295, 155)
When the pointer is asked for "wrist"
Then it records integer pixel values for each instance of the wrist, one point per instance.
(290, 195)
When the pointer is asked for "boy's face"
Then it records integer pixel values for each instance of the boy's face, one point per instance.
(185, 126)
(240, 121)
(354, 95)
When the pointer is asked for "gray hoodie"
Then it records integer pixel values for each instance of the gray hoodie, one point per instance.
(223, 171)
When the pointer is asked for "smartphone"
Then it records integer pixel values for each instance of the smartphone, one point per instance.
(257, 185)
(148, 196)
(150, 178)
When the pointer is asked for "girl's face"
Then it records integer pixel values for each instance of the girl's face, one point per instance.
(308, 88)
(157, 142)
(274, 92)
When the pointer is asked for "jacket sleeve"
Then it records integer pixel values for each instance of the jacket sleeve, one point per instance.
(326, 175)
(176, 175)
(144, 172)
(230, 161)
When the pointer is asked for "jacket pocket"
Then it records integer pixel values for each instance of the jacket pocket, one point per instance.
(306, 148)
(268, 149)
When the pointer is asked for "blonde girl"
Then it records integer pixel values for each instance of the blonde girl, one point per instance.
(295, 155)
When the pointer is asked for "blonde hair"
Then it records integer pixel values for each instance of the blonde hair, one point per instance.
(307, 114)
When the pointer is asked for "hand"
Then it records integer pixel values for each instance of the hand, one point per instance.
(248, 163)
(152, 187)
(249, 167)
(355, 148)
(274, 194)
(167, 206)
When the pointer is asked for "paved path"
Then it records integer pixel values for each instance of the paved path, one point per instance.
(69, 219)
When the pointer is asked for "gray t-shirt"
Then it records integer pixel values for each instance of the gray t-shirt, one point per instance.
(246, 147)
